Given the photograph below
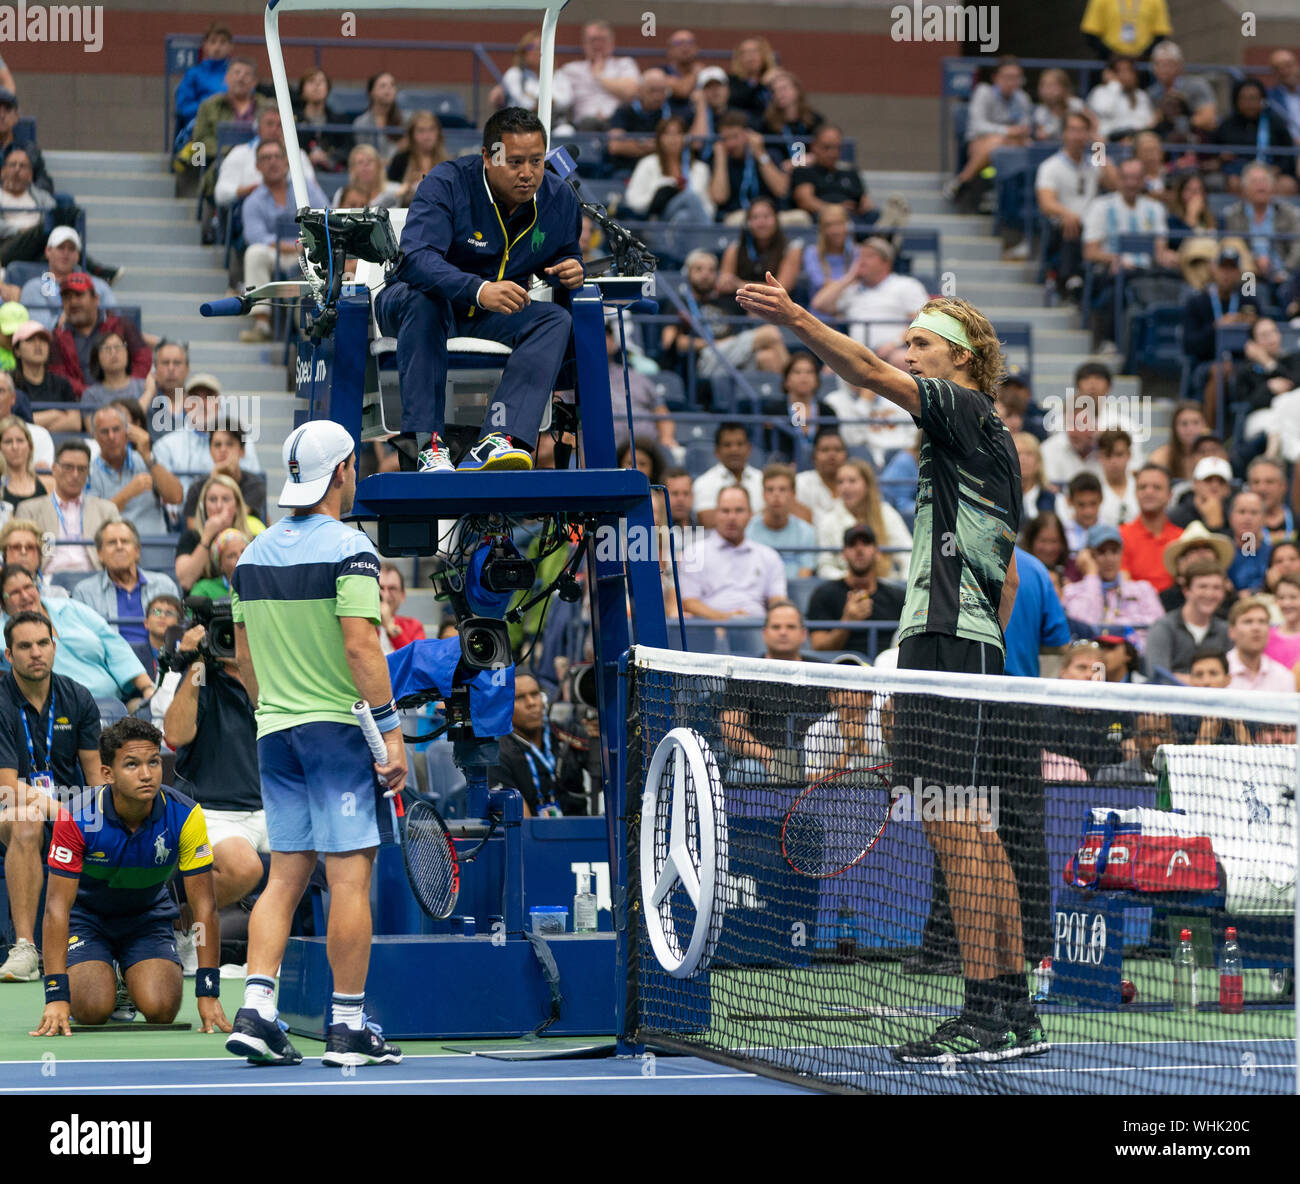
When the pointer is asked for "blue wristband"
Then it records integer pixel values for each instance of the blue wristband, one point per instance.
(56, 989)
(207, 982)
(386, 718)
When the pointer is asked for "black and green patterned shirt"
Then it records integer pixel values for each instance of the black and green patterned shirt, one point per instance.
(968, 503)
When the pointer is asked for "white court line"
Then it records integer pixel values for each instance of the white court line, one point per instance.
(887, 1048)
(351, 1083)
(1003, 1068)
(229, 1058)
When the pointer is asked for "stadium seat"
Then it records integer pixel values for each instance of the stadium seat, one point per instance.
(1219, 202)
(746, 640)
(699, 456)
(590, 156)
(1019, 336)
(347, 102)
(129, 312)
(960, 114)
(607, 191)
(670, 390)
(448, 106)
(1155, 340)
(66, 579)
(915, 241)
(110, 711)
(800, 590)
(724, 393)
(462, 141)
(765, 387)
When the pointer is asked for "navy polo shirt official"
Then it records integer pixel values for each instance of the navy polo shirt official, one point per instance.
(218, 768)
(76, 727)
(453, 239)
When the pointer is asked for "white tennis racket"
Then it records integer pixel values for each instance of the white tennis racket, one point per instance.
(374, 737)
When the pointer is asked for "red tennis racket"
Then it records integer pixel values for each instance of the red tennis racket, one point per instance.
(836, 821)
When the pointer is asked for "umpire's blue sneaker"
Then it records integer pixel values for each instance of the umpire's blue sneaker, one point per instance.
(263, 1042)
(347, 1046)
(495, 451)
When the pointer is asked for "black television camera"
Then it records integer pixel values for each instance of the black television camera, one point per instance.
(217, 646)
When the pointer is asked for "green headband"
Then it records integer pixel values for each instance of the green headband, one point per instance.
(948, 327)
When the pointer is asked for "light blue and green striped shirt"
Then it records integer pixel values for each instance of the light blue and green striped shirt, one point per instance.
(289, 589)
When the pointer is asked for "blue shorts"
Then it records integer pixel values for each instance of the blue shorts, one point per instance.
(99, 939)
(320, 790)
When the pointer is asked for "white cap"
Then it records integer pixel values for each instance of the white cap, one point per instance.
(63, 234)
(311, 454)
(711, 74)
(1212, 466)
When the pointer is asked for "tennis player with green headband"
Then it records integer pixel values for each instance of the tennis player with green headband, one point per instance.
(960, 589)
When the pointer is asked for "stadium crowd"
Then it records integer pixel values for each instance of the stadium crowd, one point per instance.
(130, 482)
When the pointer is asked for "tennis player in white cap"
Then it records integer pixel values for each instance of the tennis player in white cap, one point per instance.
(305, 598)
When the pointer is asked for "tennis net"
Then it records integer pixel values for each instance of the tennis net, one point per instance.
(882, 881)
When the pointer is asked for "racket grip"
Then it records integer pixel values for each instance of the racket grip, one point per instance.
(370, 730)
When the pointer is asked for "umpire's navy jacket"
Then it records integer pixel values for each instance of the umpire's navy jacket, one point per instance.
(454, 238)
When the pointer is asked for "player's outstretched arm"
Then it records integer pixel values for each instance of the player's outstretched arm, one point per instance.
(61, 891)
(852, 361)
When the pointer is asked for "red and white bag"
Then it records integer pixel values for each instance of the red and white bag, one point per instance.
(1143, 851)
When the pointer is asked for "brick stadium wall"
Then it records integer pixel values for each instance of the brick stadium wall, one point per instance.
(881, 91)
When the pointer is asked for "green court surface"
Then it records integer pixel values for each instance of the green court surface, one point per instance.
(840, 1022)
(837, 1022)
(877, 1003)
(21, 1005)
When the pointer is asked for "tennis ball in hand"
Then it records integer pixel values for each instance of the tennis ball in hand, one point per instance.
(1127, 991)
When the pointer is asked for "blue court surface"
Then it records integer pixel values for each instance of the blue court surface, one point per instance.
(1080, 1068)
(458, 1073)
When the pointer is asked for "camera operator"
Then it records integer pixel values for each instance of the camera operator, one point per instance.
(210, 723)
(543, 763)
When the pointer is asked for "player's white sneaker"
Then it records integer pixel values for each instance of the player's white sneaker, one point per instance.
(123, 1006)
(22, 965)
(187, 950)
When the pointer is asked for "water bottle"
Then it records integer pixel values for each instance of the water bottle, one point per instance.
(1043, 975)
(1185, 974)
(584, 905)
(1231, 992)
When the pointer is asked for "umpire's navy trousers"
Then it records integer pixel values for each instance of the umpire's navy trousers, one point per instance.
(538, 334)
